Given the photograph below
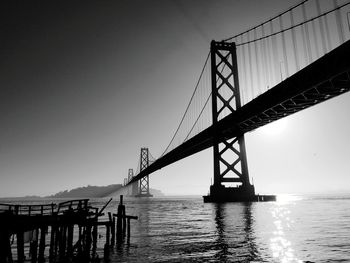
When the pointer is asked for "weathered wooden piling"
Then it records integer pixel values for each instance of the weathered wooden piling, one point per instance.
(106, 252)
(123, 222)
(41, 257)
(87, 242)
(94, 238)
(20, 246)
(52, 243)
(109, 228)
(5, 246)
(62, 243)
(70, 230)
(120, 216)
(113, 232)
(33, 250)
(61, 223)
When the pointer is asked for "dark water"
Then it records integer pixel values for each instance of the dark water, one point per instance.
(293, 229)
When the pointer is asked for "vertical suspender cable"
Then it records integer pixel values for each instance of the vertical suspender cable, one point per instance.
(243, 70)
(188, 106)
(328, 37)
(258, 85)
(268, 42)
(306, 37)
(295, 48)
(320, 22)
(284, 48)
(315, 39)
(209, 118)
(250, 67)
(274, 55)
(266, 66)
(339, 23)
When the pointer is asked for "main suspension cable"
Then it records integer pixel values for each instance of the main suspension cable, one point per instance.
(267, 21)
(188, 106)
(294, 26)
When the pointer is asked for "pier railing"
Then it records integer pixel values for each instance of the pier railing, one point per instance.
(30, 210)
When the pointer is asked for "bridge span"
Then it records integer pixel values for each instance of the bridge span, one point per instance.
(304, 63)
(324, 79)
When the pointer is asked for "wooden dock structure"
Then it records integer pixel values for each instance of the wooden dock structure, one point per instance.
(64, 232)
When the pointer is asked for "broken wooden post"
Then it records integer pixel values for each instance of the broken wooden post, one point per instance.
(34, 250)
(52, 249)
(94, 238)
(108, 229)
(124, 222)
(5, 247)
(79, 244)
(106, 253)
(70, 241)
(121, 210)
(42, 244)
(20, 246)
(113, 231)
(62, 243)
(87, 242)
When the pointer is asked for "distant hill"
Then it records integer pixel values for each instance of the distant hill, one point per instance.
(156, 192)
(96, 192)
(88, 192)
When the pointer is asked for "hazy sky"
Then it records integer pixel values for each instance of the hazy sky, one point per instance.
(85, 85)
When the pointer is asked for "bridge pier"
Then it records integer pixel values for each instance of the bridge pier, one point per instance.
(230, 159)
(220, 193)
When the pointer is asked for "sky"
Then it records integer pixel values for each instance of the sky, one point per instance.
(85, 85)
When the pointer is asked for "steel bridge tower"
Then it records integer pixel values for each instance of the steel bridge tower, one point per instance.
(133, 189)
(230, 160)
(143, 190)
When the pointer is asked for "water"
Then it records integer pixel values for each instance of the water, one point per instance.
(293, 229)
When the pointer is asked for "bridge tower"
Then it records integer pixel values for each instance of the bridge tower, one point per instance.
(144, 182)
(230, 160)
(133, 189)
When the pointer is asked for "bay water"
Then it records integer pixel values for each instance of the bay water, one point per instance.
(184, 229)
(293, 229)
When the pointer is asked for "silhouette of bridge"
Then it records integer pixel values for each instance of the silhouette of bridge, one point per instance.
(297, 59)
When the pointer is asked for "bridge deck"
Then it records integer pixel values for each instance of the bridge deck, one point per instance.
(323, 79)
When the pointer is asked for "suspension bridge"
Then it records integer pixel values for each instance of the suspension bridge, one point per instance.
(290, 62)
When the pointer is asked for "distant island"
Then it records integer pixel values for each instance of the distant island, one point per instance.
(85, 192)
(88, 192)
(96, 192)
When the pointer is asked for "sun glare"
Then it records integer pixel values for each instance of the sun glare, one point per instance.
(287, 198)
(275, 128)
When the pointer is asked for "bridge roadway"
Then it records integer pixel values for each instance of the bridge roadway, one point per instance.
(323, 79)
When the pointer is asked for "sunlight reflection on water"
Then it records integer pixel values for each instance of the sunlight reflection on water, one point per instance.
(291, 230)
(287, 198)
(282, 248)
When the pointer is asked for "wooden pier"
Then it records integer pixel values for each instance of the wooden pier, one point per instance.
(64, 232)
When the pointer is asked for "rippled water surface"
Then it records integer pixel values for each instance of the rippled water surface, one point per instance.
(293, 229)
(297, 229)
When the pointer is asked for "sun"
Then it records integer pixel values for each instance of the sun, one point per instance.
(275, 128)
